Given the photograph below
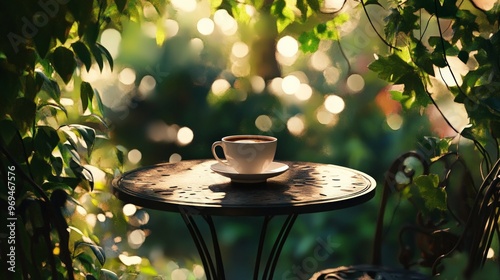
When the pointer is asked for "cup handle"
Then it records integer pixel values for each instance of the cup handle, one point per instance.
(214, 145)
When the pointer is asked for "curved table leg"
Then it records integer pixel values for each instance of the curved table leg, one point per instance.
(274, 255)
(216, 271)
(211, 271)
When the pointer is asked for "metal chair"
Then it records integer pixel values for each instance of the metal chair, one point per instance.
(434, 240)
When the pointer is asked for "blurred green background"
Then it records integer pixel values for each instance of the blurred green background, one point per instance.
(184, 79)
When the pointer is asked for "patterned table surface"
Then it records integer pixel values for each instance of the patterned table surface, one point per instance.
(192, 186)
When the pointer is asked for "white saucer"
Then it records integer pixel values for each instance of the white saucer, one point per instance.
(274, 169)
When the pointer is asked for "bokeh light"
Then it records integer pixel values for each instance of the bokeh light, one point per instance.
(101, 217)
(128, 261)
(205, 26)
(172, 27)
(91, 219)
(110, 39)
(196, 45)
(332, 6)
(331, 75)
(319, 61)
(185, 135)
(334, 104)
(175, 157)
(296, 125)
(127, 76)
(149, 11)
(304, 93)
(287, 46)
(220, 86)
(263, 123)
(198, 271)
(258, 84)
(147, 85)
(136, 238)
(240, 49)
(355, 83)
(129, 209)
(149, 29)
(394, 121)
(134, 156)
(226, 23)
(275, 86)
(184, 5)
(180, 274)
(290, 84)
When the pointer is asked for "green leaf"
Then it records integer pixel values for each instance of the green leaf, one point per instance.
(100, 106)
(309, 42)
(283, 13)
(106, 54)
(215, 4)
(86, 94)
(391, 68)
(121, 4)
(83, 54)
(48, 85)
(314, 4)
(51, 186)
(57, 164)
(107, 275)
(24, 113)
(463, 56)
(46, 139)
(98, 250)
(432, 194)
(421, 57)
(87, 133)
(373, 2)
(64, 63)
(302, 6)
(96, 52)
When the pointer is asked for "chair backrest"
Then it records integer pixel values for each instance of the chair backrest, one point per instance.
(393, 183)
(481, 226)
(474, 223)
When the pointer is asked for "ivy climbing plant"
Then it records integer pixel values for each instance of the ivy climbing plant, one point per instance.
(51, 136)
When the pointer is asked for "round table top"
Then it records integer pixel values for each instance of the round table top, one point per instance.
(193, 187)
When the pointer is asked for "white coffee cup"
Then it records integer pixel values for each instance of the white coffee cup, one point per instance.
(247, 154)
